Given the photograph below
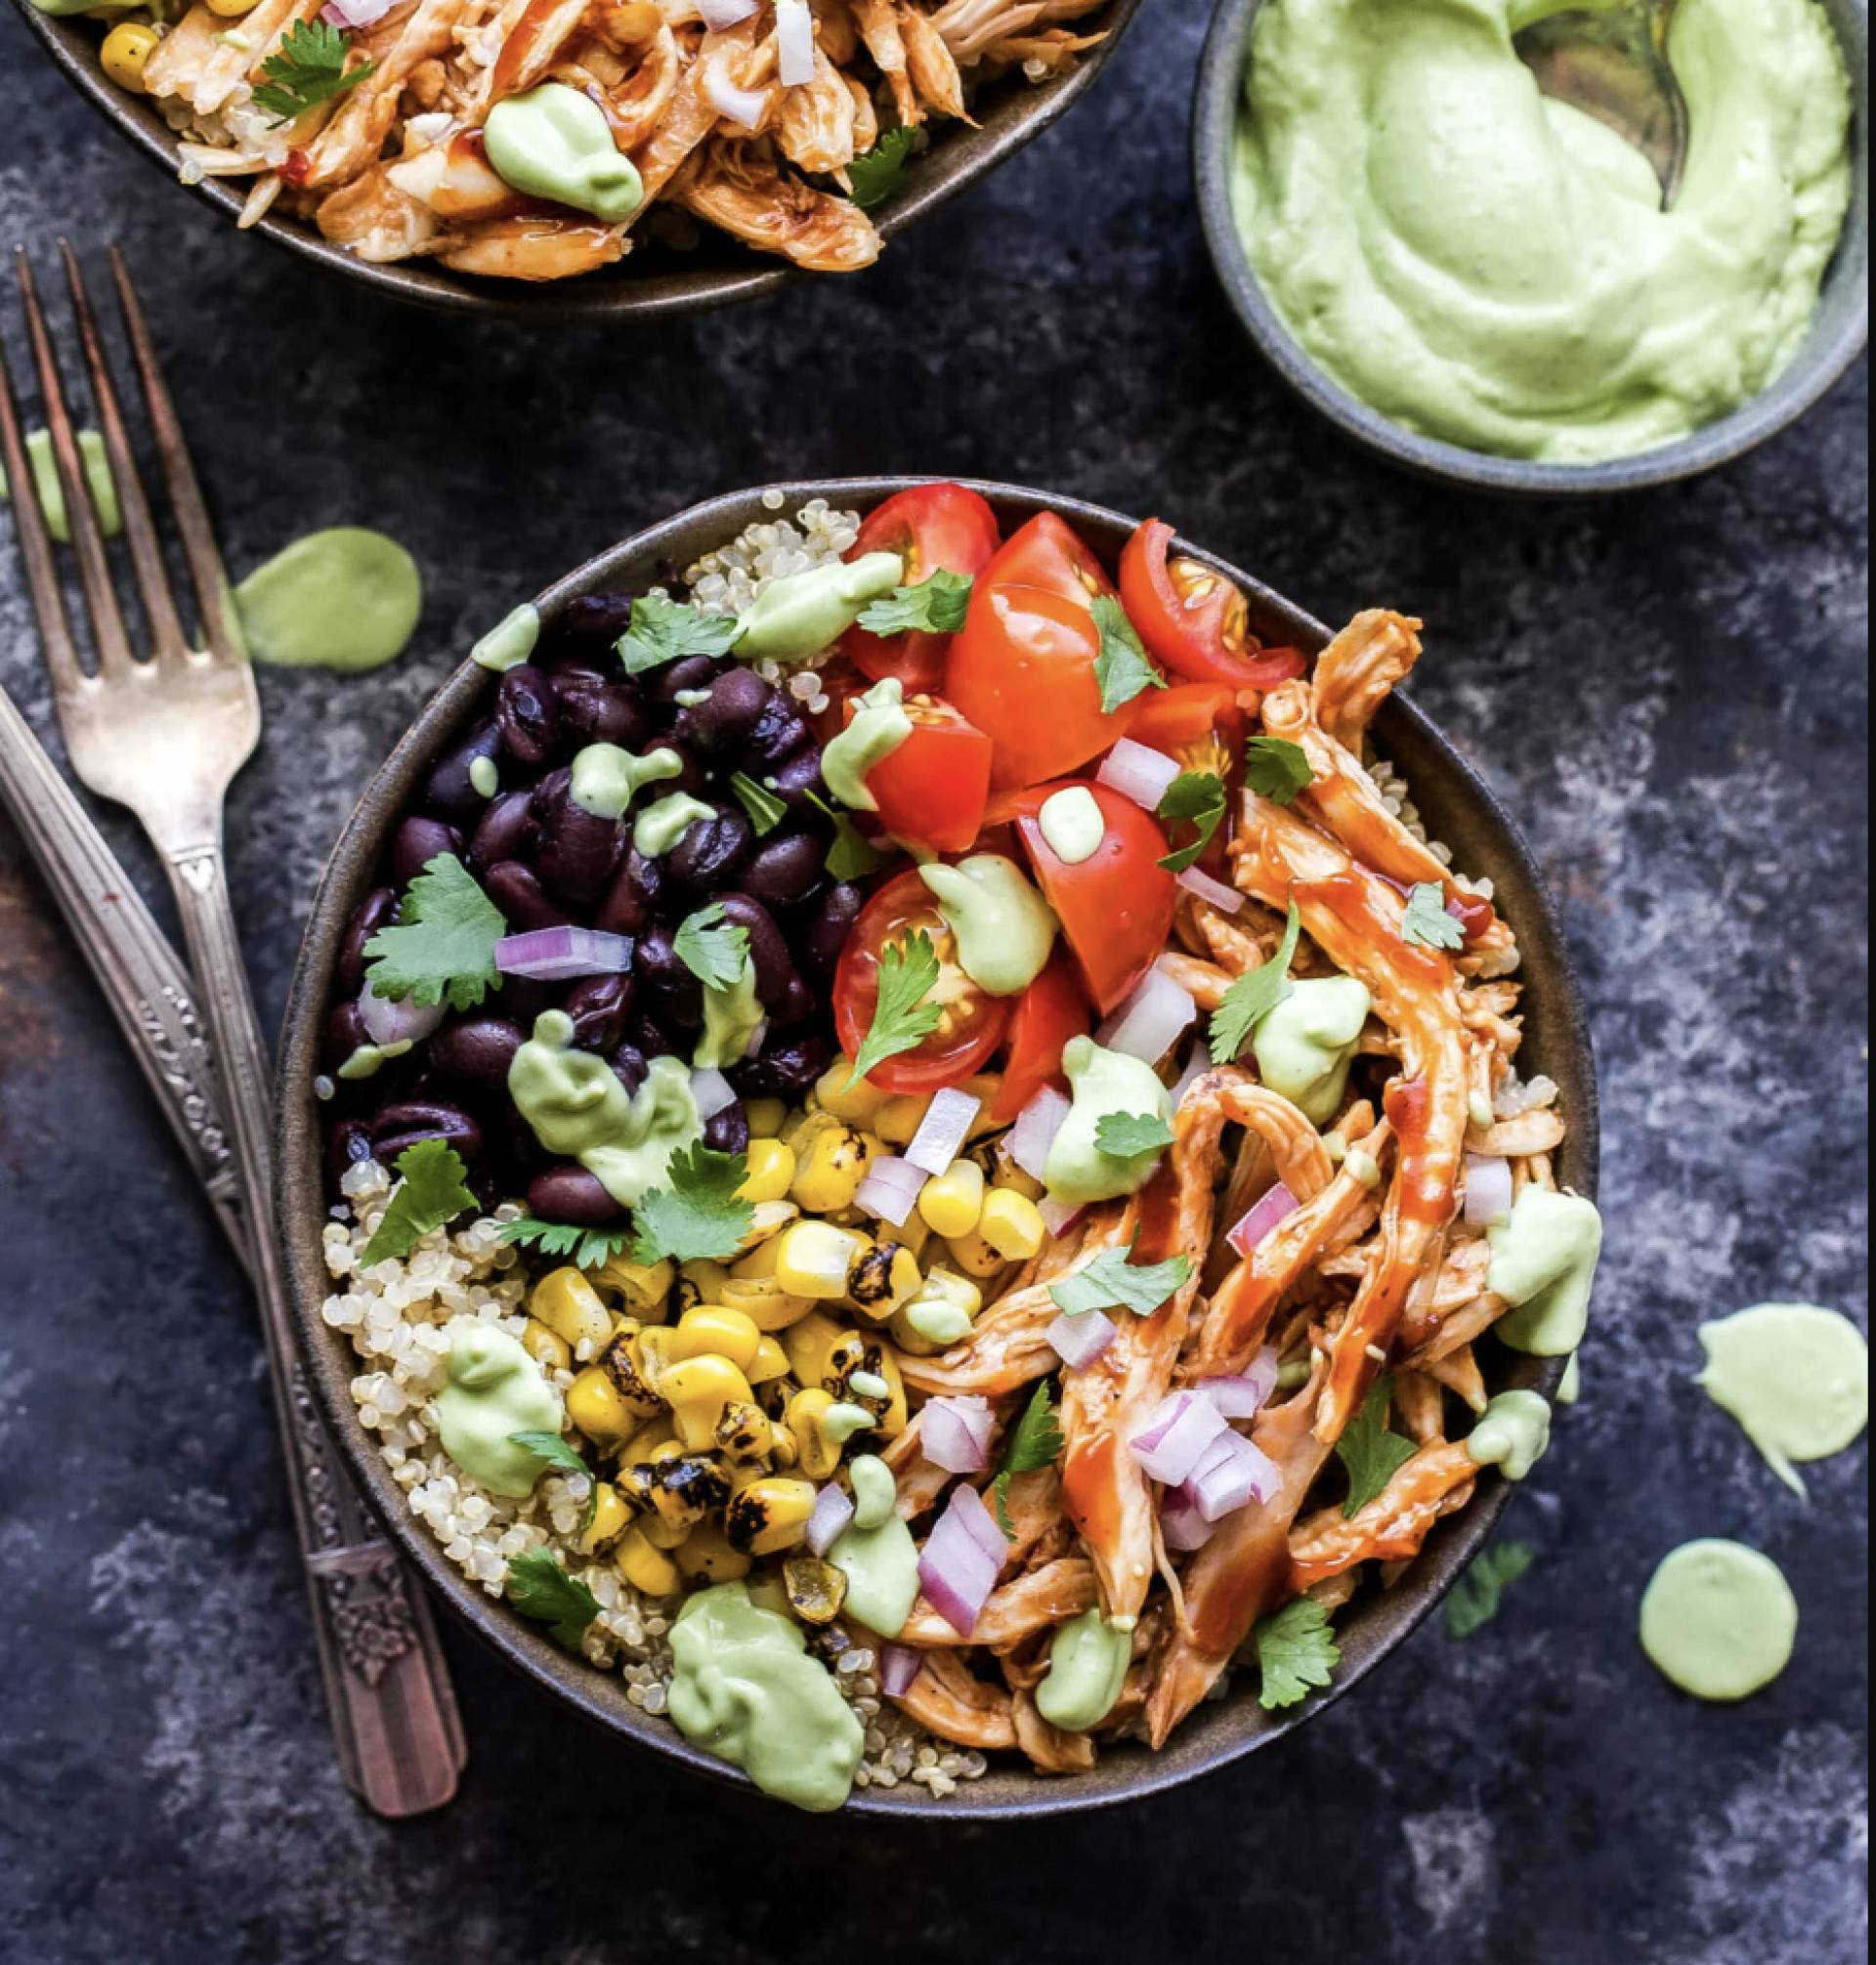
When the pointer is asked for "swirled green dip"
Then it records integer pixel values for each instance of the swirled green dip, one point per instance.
(1304, 1046)
(745, 1690)
(496, 1389)
(1795, 1375)
(1719, 1619)
(345, 598)
(1488, 265)
(552, 141)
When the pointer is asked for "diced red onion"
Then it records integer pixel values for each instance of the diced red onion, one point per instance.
(1177, 1436)
(832, 1511)
(1058, 1216)
(793, 43)
(355, 13)
(1149, 1023)
(1227, 900)
(890, 1191)
(387, 1022)
(1276, 1205)
(969, 1508)
(553, 955)
(713, 1092)
(1196, 1066)
(1231, 1473)
(720, 14)
(1488, 1188)
(959, 1564)
(955, 1433)
(1137, 772)
(1036, 1126)
(942, 1130)
(1243, 1396)
(1182, 1525)
(1079, 1339)
(899, 1665)
(746, 106)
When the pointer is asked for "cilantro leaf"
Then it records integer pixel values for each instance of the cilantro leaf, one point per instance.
(1276, 769)
(1369, 1451)
(444, 941)
(1121, 668)
(430, 1193)
(880, 173)
(697, 1218)
(1295, 1650)
(714, 950)
(936, 606)
(306, 69)
(539, 1588)
(1035, 1441)
(902, 1018)
(588, 1247)
(1426, 921)
(852, 856)
(665, 630)
(1198, 796)
(1475, 1598)
(1110, 1282)
(1253, 997)
(766, 811)
(1126, 1135)
(554, 1451)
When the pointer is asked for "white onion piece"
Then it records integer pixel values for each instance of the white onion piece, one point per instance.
(793, 43)
(1196, 1066)
(1079, 1339)
(1137, 772)
(713, 1092)
(1182, 1525)
(1243, 1395)
(746, 106)
(1231, 1473)
(1058, 1216)
(959, 1564)
(827, 1523)
(1276, 1205)
(1178, 1437)
(356, 13)
(955, 1432)
(720, 14)
(555, 955)
(1035, 1127)
(899, 1665)
(1149, 1023)
(890, 1191)
(942, 1130)
(1227, 900)
(1488, 1188)
(387, 1022)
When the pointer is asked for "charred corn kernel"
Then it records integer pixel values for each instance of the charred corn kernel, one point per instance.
(743, 1434)
(815, 1257)
(698, 1389)
(611, 1519)
(689, 1486)
(783, 1450)
(664, 1534)
(811, 1345)
(641, 1287)
(858, 1102)
(646, 1567)
(816, 1589)
(1013, 1225)
(548, 1349)
(770, 1170)
(885, 1276)
(713, 1327)
(831, 1162)
(1012, 1177)
(743, 1471)
(939, 1316)
(706, 1278)
(766, 1117)
(770, 1361)
(951, 1200)
(126, 52)
(599, 1409)
(770, 1515)
(762, 1300)
(652, 1351)
(897, 1120)
(767, 1219)
(570, 1306)
(816, 1454)
(706, 1555)
(890, 1413)
(975, 1256)
(914, 1235)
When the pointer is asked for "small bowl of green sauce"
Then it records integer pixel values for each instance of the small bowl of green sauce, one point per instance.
(1636, 271)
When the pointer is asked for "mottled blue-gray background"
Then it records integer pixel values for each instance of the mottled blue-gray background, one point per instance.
(1669, 690)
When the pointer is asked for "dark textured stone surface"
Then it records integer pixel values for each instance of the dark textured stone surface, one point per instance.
(1671, 693)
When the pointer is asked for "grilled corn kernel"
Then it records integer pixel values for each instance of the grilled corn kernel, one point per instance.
(811, 1344)
(951, 1202)
(769, 1514)
(764, 1302)
(755, 1253)
(230, 9)
(649, 1439)
(1009, 1174)
(743, 1434)
(897, 1120)
(706, 1555)
(975, 1256)
(570, 1306)
(939, 1316)
(689, 1485)
(599, 1409)
(697, 1388)
(858, 1102)
(1013, 1225)
(706, 1279)
(646, 1567)
(892, 1412)
(770, 1170)
(885, 1276)
(611, 1519)
(815, 1257)
(642, 1287)
(770, 1361)
(548, 1349)
(817, 1453)
(831, 1159)
(766, 1117)
(710, 1327)
(127, 50)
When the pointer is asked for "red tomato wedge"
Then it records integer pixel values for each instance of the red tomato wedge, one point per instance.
(1022, 670)
(1116, 906)
(972, 1022)
(932, 791)
(1194, 620)
(1200, 725)
(932, 528)
(1048, 552)
(1048, 1013)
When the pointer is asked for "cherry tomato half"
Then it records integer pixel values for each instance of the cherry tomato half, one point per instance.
(931, 789)
(1116, 906)
(1194, 620)
(1048, 552)
(971, 1021)
(932, 528)
(1200, 725)
(1048, 1013)
(1022, 670)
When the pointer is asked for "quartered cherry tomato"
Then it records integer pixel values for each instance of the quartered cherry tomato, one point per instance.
(1200, 726)
(1048, 1013)
(1022, 670)
(931, 789)
(1194, 620)
(1048, 552)
(1116, 906)
(971, 1021)
(931, 527)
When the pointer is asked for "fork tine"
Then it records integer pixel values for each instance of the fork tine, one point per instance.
(35, 547)
(219, 628)
(140, 529)
(108, 634)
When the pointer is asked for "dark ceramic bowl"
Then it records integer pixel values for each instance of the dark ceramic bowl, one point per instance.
(647, 283)
(1837, 334)
(1456, 806)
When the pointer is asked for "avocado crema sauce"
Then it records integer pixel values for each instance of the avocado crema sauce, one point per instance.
(1490, 267)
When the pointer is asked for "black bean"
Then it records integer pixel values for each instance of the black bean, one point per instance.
(768, 948)
(692, 671)
(599, 1006)
(796, 1004)
(476, 1049)
(346, 1143)
(777, 735)
(712, 850)
(593, 622)
(633, 899)
(676, 994)
(400, 1126)
(378, 910)
(789, 1062)
(725, 718)
(489, 1187)
(795, 781)
(529, 715)
(785, 871)
(566, 1192)
(594, 710)
(727, 1130)
(629, 1067)
(524, 998)
(517, 892)
(650, 1040)
(448, 791)
(505, 831)
(578, 849)
(833, 918)
(418, 842)
(344, 1034)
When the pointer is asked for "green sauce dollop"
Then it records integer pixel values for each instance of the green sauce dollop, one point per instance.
(664, 822)
(1719, 1619)
(1511, 1433)
(345, 598)
(1076, 1172)
(1544, 1261)
(1088, 1661)
(554, 143)
(879, 726)
(511, 641)
(1072, 824)
(876, 1554)
(494, 1389)
(801, 614)
(1795, 1375)
(1003, 927)
(1303, 1046)
(731, 1017)
(603, 778)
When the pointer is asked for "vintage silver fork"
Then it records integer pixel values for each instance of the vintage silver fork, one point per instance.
(164, 736)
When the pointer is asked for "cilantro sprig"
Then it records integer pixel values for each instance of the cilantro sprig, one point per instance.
(1129, 1134)
(539, 1588)
(1035, 1441)
(588, 1247)
(934, 606)
(1253, 997)
(716, 952)
(1276, 769)
(667, 630)
(1197, 795)
(1121, 668)
(766, 811)
(880, 173)
(308, 69)
(429, 1193)
(697, 1218)
(1477, 1596)
(444, 943)
(553, 1451)
(1371, 1453)
(1426, 921)
(1112, 1282)
(902, 1018)
(1297, 1651)
(852, 855)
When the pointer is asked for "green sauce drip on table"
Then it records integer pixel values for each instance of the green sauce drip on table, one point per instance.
(876, 1554)
(494, 1389)
(345, 598)
(1088, 1661)
(1303, 1046)
(1719, 1619)
(552, 141)
(1544, 1257)
(1796, 1376)
(1076, 1170)
(1003, 926)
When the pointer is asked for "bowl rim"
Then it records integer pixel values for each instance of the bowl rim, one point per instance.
(1827, 354)
(1557, 1015)
(956, 159)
